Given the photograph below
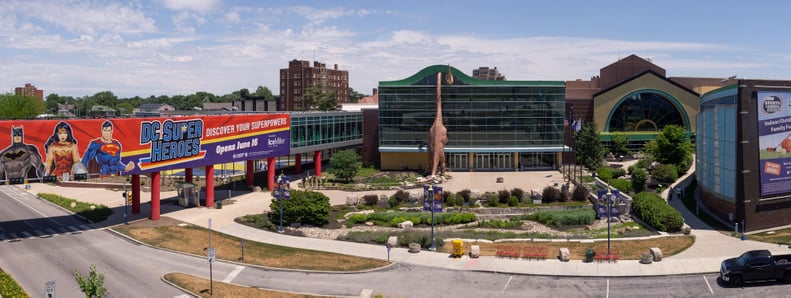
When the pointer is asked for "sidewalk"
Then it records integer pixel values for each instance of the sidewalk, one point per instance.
(710, 248)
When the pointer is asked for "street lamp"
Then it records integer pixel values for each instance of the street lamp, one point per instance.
(281, 194)
(609, 207)
(431, 196)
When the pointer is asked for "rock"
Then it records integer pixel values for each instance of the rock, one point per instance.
(406, 224)
(352, 200)
(392, 241)
(563, 254)
(414, 247)
(656, 253)
(369, 223)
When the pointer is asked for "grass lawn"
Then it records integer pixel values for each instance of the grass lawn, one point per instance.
(174, 235)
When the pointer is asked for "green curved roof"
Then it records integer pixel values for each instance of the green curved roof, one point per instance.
(462, 77)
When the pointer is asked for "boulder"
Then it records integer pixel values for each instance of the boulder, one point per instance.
(406, 224)
(392, 241)
(414, 247)
(656, 253)
(352, 200)
(564, 255)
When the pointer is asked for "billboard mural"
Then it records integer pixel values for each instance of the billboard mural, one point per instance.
(107, 147)
(774, 142)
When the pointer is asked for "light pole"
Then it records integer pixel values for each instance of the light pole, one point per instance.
(431, 196)
(281, 194)
(609, 206)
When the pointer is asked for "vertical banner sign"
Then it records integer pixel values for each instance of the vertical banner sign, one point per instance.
(603, 203)
(774, 142)
(437, 196)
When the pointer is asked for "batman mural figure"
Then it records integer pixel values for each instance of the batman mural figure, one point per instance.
(20, 160)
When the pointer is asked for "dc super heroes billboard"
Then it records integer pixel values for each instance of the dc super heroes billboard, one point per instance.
(123, 146)
(774, 142)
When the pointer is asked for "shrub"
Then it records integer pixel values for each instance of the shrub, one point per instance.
(464, 193)
(459, 200)
(401, 196)
(639, 177)
(618, 173)
(621, 184)
(503, 196)
(550, 195)
(304, 207)
(655, 212)
(604, 173)
(572, 217)
(392, 202)
(665, 173)
(565, 195)
(370, 200)
(513, 201)
(450, 201)
(580, 194)
(518, 193)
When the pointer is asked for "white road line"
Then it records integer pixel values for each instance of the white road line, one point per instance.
(73, 229)
(608, 289)
(709, 285)
(506, 284)
(27, 234)
(233, 274)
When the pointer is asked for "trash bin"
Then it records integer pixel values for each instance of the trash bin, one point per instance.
(219, 205)
(589, 254)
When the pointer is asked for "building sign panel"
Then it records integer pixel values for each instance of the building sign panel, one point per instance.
(774, 142)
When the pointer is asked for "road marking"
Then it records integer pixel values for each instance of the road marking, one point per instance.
(13, 236)
(506, 284)
(470, 264)
(709, 285)
(38, 233)
(608, 289)
(73, 229)
(2, 237)
(27, 235)
(233, 274)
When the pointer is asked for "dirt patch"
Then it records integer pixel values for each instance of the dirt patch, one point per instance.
(163, 221)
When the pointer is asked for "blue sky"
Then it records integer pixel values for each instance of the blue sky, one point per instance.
(178, 47)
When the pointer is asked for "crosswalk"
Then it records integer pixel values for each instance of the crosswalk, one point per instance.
(45, 233)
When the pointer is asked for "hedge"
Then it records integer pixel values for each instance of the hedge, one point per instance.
(655, 212)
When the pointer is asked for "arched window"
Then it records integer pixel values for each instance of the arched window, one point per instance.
(645, 111)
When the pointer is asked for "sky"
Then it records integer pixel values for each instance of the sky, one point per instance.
(179, 47)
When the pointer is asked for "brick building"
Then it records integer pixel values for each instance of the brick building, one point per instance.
(30, 90)
(300, 75)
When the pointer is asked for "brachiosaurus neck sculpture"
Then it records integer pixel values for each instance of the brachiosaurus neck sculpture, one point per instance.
(438, 134)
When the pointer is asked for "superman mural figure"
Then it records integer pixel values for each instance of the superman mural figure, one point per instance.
(105, 152)
(20, 160)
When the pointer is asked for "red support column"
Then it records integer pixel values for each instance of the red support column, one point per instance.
(188, 175)
(154, 195)
(270, 173)
(317, 162)
(136, 194)
(298, 163)
(250, 171)
(210, 186)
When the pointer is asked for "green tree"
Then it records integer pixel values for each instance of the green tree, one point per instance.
(264, 92)
(105, 98)
(303, 207)
(639, 178)
(590, 150)
(317, 97)
(20, 107)
(92, 284)
(344, 164)
(52, 101)
(354, 96)
(619, 142)
(671, 147)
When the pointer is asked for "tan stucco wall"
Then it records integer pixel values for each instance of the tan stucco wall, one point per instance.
(604, 103)
(400, 160)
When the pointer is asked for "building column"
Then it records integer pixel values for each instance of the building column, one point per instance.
(270, 173)
(516, 162)
(249, 173)
(188, 175)
(136, 194)
(298, 163)
(155, 195)
(210, 186)
(317, 162)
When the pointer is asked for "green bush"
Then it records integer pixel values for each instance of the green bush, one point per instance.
(503, 196)
(550, 195)
(260, 221)
(97, 214)
(618, 173)
(559, 218)
(500, 224)
(303, 207)
(639, 177)
(518, 193)
(370, 200)
(401, 196)
(665, 173)
(392, 202)
(459, 200)
(580, 194)
(392, 219)
(655, 212)
(621, 184)
(465, 193)
(604, 173)
(513, 201)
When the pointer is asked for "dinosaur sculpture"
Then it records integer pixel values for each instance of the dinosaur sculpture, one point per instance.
(438, 134)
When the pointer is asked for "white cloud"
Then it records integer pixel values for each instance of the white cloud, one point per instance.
(194, 5)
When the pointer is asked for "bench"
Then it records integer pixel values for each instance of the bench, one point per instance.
(507, 251)
(601, 255)
(535, 253)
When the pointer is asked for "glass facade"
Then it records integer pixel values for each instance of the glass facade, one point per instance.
(311, 129)
(645, 111)
(491, 119)
(715, 164)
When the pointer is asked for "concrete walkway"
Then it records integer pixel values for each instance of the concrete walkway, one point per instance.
(710, 247)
